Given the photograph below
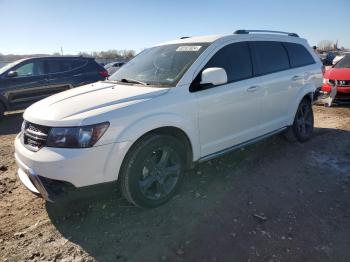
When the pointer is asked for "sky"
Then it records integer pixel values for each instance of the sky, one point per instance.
(44, 26)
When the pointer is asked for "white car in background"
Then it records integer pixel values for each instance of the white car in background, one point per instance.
(175, 104)
(113, 67)
(337, 59)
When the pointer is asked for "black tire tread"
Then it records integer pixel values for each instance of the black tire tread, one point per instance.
(124, 179)
(128, 162)
(291, 134)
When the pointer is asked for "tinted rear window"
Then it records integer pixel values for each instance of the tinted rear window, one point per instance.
(78, 63)
(269, 57)
(298, 55)
(235, 59)
(53, 66)
(64, 65)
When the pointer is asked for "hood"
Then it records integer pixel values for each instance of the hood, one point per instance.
(75, 105)
(338, 74)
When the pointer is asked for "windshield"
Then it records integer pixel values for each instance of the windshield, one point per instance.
(344, 62)
(8, 66)
(160, 65)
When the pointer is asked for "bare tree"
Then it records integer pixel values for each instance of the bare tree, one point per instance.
(84, 54)
(325, 45)
(128, 54)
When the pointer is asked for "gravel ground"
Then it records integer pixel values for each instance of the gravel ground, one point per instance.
(273, 201)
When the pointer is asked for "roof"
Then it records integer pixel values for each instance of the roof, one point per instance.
(212, 38)
(194, 39)
(56, 57)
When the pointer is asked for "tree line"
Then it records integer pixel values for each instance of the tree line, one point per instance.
(109, 54)
(329, 45)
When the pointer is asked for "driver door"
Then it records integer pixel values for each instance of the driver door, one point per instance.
(229, 114)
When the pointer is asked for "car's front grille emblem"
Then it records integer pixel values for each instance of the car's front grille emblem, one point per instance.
(34, 136)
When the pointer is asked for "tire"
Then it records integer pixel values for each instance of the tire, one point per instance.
(303, 124)
(2, 111)
(153, 170)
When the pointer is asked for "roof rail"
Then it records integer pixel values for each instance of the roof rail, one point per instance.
(243, 31)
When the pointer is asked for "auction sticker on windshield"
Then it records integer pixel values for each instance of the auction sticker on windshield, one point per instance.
(188, 48)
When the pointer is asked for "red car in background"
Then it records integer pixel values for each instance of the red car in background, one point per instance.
(339, 76)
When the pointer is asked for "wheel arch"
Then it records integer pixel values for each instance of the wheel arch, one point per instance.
(174, 132)
(169, 124)
(305, 93)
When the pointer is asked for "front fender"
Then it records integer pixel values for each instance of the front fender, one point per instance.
(146, 124)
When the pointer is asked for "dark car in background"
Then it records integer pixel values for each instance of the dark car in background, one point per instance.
(28, 80)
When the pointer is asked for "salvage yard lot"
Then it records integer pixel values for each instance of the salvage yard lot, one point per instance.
(274, 201)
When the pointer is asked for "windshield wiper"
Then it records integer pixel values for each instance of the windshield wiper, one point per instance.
(133, 81)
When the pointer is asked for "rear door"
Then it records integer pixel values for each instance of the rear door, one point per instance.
(229, 114)
(59, 75)
(271, 68)
(25, 88)
(74, 71)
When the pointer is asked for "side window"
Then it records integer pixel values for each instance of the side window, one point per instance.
(235, 59)
(298, 55)
(31, 69)
(76, 63)
(268, 57)
(53, 66)
(66, 65)
(25, 70)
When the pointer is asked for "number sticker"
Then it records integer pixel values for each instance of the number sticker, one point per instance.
(188, 48)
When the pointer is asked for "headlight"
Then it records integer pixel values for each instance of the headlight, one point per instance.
(76, 137)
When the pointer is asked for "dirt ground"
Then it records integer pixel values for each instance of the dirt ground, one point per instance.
(273, 201)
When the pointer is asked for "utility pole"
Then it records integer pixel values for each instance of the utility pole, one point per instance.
(61, 51)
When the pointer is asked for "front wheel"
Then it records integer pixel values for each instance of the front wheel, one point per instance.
(153, 170)
(303, 124)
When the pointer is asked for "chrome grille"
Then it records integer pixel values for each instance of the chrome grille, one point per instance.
(343, 82)
(34, 136)
(339, 82)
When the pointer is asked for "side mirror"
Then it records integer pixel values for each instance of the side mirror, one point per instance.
(12, 74)
(214, 76)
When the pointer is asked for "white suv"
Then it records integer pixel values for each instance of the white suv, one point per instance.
(173, 105)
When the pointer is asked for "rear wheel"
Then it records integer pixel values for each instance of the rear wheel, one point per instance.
(153, 170)
(303, 124)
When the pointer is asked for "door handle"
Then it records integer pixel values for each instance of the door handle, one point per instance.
(252, 88)
(296, 78)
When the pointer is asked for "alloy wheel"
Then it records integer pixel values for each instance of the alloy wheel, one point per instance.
(160, 173)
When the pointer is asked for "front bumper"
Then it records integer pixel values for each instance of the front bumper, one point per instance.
(53, 172)
(343, 93)
(48, 189)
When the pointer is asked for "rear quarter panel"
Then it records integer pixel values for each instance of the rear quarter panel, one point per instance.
(312, 81)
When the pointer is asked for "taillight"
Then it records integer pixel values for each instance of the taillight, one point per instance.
(103, 73)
